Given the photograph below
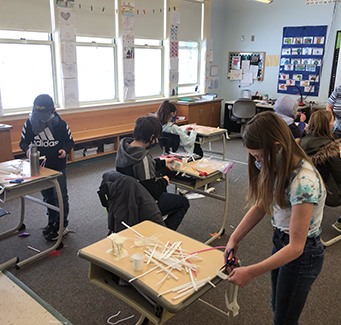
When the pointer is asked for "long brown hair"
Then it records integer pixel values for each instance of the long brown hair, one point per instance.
(319, 124)
(261, 133)
(164, 112)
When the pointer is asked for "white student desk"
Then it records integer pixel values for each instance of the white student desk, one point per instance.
(30, 185)
(195, 182)
(208, 134)
(105, 270)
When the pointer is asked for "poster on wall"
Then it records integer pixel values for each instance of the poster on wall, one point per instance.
(301, 60)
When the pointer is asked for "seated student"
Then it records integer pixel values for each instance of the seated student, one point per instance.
(286, 108)
(133, 159)
(324, 151)
(166, 114)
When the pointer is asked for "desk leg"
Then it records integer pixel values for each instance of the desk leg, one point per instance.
(331, 241)
(225, 212)
(60, 209)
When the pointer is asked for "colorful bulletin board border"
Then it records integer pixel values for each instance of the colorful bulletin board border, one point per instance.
(301, 59)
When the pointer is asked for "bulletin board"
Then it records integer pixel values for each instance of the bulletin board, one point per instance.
(301, 59)
(335, 76)
(255, 59)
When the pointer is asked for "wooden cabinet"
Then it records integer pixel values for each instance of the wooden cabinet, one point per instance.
(203, 113)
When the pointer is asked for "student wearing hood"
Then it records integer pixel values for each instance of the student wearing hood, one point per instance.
(52, 136)
(286, 108)
(134, 159)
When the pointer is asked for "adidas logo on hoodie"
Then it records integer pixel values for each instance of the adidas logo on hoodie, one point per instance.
(45, 139)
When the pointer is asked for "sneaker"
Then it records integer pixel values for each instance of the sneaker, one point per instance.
(337, 226)
(53, 235)
(48, 229)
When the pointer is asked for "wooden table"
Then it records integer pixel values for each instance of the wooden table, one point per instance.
(21, 306)
(104, 268)
(208, 134)
(30, 185)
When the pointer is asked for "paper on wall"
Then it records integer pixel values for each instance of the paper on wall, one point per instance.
(236, 75)
(173, 64)
(209, 55)
(247, 79)
(128, 66)
(71, 93)
(129, 80)
(69, 52)
(69, 70)
(67, 33)
(254, 71)
(66, 17)
(129, 93)
(174, 17)
(245, 65)
(128, 23)
(173, 77)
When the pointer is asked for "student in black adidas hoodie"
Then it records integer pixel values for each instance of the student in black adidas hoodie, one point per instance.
(53, 138)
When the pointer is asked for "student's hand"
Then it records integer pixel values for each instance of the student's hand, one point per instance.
(241, 276)
(189, 128)
(302, 117)
(62, 153)
(166, 178)
(167, 162)
(28, 153)
(232, 255)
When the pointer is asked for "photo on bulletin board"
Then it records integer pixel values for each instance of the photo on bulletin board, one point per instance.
(301, 60)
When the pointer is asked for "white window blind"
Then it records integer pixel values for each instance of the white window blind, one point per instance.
(149, 23)
(32, 15)
(190, 21)
(95, 18)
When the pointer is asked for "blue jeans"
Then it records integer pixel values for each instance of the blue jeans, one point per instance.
(175, 206)
(292, 282)
(50, 196)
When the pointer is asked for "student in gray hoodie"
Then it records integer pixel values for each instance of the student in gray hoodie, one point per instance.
(134, 159)
(287, 108)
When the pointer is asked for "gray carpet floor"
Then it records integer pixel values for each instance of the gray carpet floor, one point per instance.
(62, 280)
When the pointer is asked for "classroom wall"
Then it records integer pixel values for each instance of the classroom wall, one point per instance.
(231, 19)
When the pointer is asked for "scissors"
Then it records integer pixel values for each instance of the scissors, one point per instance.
(19, 180)
(201, 173)
(229, 262)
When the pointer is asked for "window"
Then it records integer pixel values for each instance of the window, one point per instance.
(148, 68)
(25, 68)
(96, 69)
(188, 63)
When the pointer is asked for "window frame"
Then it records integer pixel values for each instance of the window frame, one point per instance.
(161, 47)
(113, 45)
(49, 42)
(197, 83)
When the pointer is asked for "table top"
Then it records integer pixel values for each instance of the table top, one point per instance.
(211, 261)
(190, 169)
(262, 103)
(204, 130)
(17, 168)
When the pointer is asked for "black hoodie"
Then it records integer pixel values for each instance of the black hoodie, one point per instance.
(138, 163)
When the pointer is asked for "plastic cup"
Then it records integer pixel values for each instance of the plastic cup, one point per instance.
(138, 261)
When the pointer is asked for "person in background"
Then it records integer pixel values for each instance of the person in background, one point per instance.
(287, 108)
(324, 151)
(134, 159)
(53, 138)
(285, 185)
(166, 114)
(334, 106)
